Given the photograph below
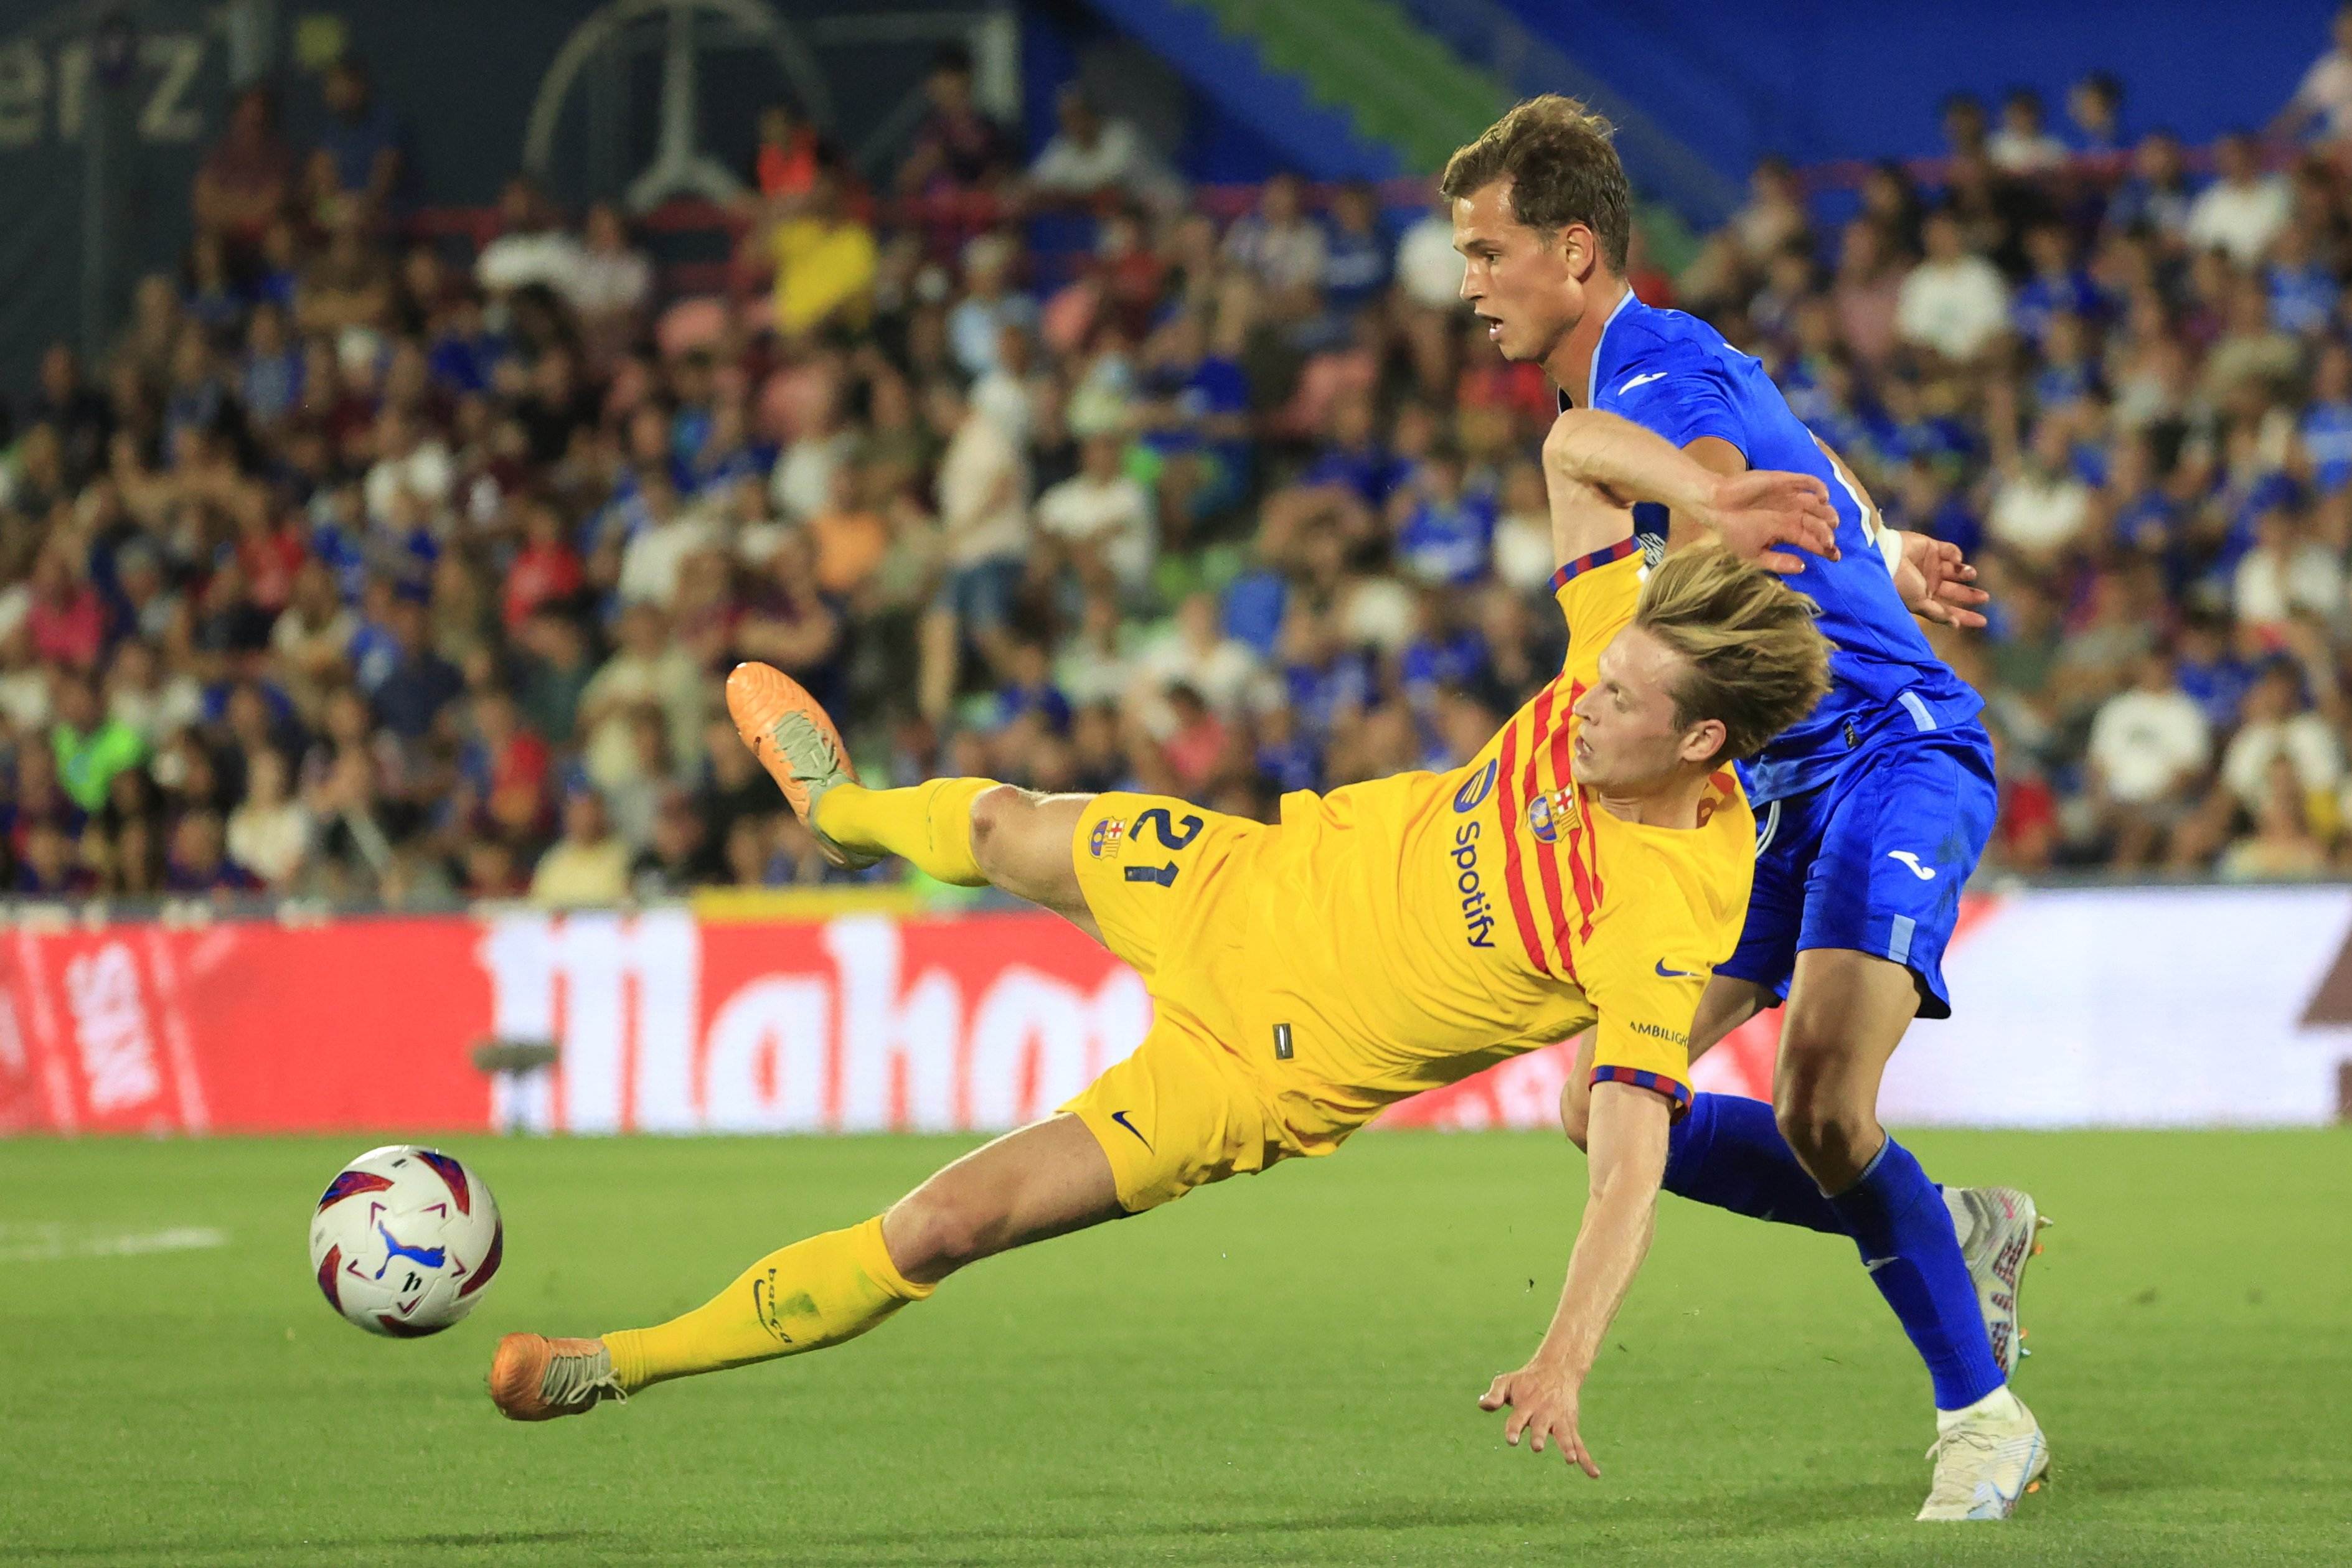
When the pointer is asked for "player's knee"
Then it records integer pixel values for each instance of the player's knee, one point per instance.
(940, 1232)
(1819, 1125)
(997, 817)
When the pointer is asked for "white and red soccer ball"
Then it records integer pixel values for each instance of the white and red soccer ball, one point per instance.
(406, 1240)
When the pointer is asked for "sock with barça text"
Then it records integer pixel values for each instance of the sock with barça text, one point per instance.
(810, 1295)
(1897, 1217)
(1728, 1152)
(929, 824)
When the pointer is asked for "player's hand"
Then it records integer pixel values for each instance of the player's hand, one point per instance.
(1542, 1399)
(1936, 584)
(1764, 515)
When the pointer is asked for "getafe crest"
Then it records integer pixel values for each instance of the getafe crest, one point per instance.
(1108, 838)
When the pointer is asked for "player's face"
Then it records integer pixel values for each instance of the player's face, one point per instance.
(1627, 741)
(1525, 283)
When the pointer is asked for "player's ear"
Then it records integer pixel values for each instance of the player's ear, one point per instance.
(1577, 248)
(1703, 742)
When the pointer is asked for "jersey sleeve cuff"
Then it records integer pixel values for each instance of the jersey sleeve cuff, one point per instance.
(1599, 558)
(1678, 1093)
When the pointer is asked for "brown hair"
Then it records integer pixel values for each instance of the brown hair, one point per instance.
(1756, 661)
(1562, 168)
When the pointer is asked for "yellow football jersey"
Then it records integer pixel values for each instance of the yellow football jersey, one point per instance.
(1406, 932)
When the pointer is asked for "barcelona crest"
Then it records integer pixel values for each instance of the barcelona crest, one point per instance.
(1107, 839)
(1549, 815)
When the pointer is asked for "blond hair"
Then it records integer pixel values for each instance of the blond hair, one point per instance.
(1562, 167)
(1757, 662)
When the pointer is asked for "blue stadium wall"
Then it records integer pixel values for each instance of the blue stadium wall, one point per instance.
(1822, 79)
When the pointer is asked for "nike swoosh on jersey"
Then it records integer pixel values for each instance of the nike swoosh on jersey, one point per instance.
(1640, 382)
(1924, 873)
(1666, 974)
(1121, 1117)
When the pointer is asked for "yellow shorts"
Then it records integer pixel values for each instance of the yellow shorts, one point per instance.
(1162, 879)
(1178, 1114)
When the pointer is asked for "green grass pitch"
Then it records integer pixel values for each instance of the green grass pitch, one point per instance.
(1282, 1370)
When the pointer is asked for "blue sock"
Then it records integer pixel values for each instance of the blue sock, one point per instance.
(1899, 1220)
(1728, 1152)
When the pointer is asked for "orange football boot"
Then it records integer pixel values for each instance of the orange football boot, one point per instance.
(794, 739)
(534, 1378)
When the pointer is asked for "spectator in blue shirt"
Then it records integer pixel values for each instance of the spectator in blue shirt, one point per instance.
(1447, 651)
(420, 682)
(269, 376)
(2057, 286)
(1443, 532)
(2324, 434)
(2211, 672)
(2303, 288)
(359, 157)
(2154, 200)
(2095, 105)
(1355, 257)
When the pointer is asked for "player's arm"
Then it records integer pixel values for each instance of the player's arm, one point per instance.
(1626, 1143)
(1935, 582)
(1707, 485)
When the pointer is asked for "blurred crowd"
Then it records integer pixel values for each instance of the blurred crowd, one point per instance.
(373, 566)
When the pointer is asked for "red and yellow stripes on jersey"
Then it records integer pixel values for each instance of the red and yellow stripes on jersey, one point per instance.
(1554, 900)
(1555, 889)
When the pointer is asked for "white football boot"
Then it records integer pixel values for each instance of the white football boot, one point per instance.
(1985, 1462)
(1999, 1231)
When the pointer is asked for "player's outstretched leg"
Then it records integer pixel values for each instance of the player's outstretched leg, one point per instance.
(1046, 1179)
(1847, 1012)
(972, 832)
(1729, 1153)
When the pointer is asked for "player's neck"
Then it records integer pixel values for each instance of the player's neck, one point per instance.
(1673, 804)
(1570, 364)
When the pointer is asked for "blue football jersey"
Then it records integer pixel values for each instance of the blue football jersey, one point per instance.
(1674, 374)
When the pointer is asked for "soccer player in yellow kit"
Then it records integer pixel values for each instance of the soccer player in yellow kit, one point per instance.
(1589, 867)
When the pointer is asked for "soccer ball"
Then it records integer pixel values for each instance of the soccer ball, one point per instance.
(404, 1240)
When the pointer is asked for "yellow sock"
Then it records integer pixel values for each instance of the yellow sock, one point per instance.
(814, 1294)
(929, 824)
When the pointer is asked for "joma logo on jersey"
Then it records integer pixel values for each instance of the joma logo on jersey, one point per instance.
(1476, 787)
(1107, 839)
(1549, 815)
(1478, 919)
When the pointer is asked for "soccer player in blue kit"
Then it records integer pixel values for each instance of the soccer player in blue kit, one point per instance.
(1871, 813)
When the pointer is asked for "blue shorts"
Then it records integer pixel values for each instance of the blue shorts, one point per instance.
(1874, 861)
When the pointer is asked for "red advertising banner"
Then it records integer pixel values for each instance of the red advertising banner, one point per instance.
(663, 1023)
(2074, 1007)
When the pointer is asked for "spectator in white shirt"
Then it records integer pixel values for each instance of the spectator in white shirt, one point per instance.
(1279, 245)
(1104, 517)
(2324, 95)
(2040, 506)
(984, 529)
(1428, 267)
(651, 561)
(2273, 728)
(2023, 144)
(2243, 208)
(2147, 744)
(532, 249)
(269, 833)
(609, 282)
(1954, 302)
(1193, 651)
(2286, 574)
(408, 459)
(1091, 154)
